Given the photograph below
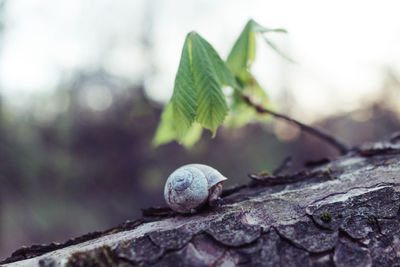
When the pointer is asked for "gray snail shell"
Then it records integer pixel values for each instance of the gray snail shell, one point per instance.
(191, 186)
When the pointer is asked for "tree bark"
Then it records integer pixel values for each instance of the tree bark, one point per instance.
(341, 213)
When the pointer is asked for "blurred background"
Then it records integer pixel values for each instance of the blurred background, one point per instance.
(83, 83)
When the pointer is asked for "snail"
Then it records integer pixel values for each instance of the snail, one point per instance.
(191, 186)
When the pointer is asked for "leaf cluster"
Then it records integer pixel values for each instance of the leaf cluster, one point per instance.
(198, 101)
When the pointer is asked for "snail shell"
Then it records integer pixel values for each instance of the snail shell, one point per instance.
(191, 186)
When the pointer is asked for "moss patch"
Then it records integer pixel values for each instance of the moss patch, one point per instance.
(264, 173)
(326, 217)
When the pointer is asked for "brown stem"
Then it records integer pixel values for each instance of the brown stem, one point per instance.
(343, 149)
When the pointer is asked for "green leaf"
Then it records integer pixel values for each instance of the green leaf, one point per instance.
(184, 97)
(225, 76)
(212, 107)
(243, 52)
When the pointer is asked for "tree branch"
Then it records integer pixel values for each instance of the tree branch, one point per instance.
(300, 219)
(341, 147)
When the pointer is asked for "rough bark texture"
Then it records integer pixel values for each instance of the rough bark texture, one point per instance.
(342, 213)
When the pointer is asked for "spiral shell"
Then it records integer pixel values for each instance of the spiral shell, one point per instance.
(190, 186)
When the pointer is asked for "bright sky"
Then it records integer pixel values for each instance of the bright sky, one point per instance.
(341, 46)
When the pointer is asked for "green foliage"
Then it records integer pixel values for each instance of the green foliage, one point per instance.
(243, 52)
(166, 131)
(198, 100)
(239, 61)
(184, 98)
(209, 74)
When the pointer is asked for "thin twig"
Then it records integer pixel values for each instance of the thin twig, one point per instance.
(279, 179)
(157, 212)
(283, 165)
(343, 149)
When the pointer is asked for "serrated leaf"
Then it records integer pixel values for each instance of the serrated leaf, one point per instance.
(212, 108)
(184, 97)
(225, 76)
